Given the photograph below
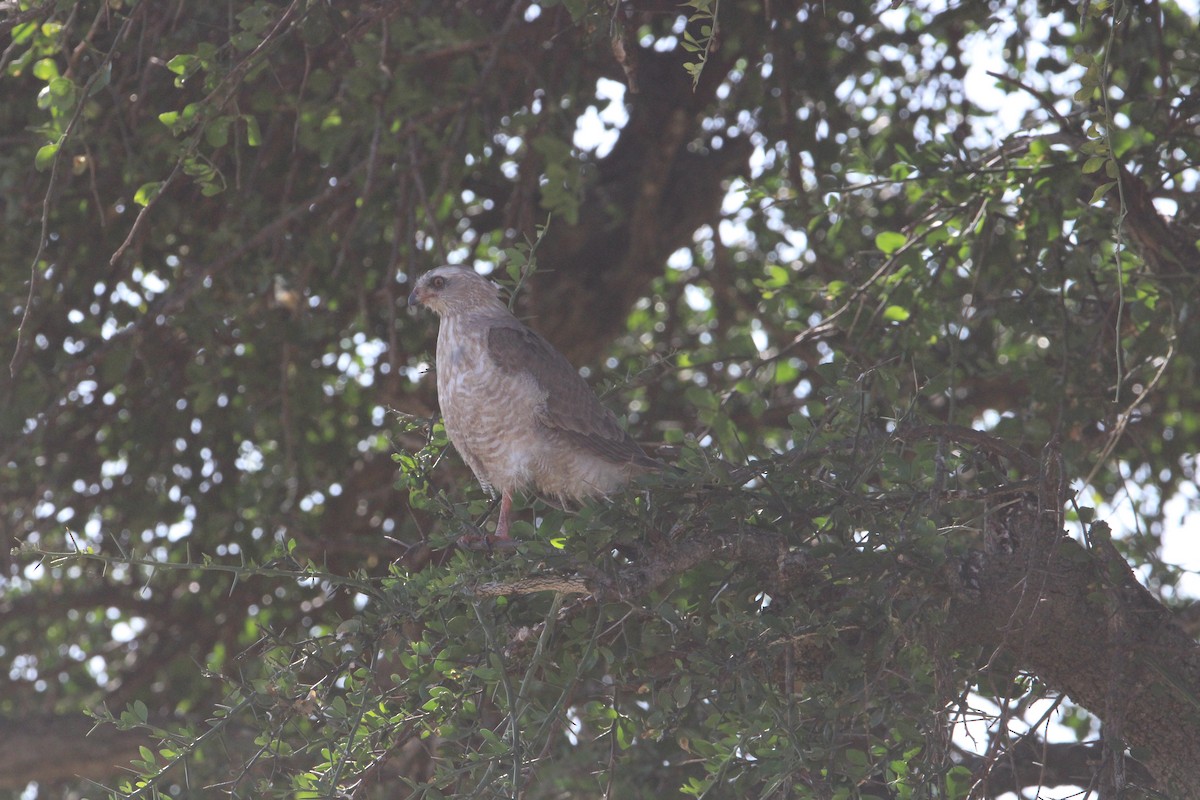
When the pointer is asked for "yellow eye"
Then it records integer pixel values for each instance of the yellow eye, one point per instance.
(438, 283)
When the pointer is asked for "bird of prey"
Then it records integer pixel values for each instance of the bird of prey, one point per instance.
(514, 407)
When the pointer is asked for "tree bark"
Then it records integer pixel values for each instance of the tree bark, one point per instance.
(1030, 761)
(651, 194)
(1079, 620)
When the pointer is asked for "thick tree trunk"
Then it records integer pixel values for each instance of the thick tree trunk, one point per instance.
(1078, 619)
(652, 193)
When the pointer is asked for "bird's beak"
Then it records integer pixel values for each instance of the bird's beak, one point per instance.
(417, 297)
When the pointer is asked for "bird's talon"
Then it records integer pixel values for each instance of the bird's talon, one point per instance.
(484, 541)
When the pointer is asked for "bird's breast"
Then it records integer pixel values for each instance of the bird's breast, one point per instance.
(490, 415)
(496, 420)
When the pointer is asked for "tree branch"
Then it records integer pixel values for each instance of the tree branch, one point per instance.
(1032, 762)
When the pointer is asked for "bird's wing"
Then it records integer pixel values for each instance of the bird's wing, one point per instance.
(570, 408)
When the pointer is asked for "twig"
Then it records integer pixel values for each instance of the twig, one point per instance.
(239, 571)
(43, 236)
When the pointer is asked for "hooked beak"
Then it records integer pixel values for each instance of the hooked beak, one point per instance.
(417, 297)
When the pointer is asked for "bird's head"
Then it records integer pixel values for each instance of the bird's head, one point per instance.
(455, 290)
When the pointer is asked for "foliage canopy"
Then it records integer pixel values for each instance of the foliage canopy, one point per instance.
(899, 352)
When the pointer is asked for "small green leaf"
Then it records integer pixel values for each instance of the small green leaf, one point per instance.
(332, 120)
(216, 133)
(702, 399)
(61, 87)
(180, 63)
(890, 241)
(682, 692)
(146, 193)
(896, 314)
(1093, 165)
(1101, 190)
(45, 69)
(45, 155)
(253, 133)
(103, 78)
(779, 276)
(21, 33)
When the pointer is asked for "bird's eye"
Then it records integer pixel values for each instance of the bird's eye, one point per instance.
(438, 283)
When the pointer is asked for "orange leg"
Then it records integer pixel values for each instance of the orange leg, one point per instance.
(505, 513)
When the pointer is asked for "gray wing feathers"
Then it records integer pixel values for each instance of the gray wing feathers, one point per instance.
(570, 408)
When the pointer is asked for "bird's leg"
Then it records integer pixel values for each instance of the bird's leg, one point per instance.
(505, 511)
(499, 539)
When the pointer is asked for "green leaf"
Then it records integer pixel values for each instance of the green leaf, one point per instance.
(778, 277)
(45, 155)
(46, 69)
(253, 134)
(890, 241)
(682, 693)
(1101, 190)
(103, 78)
(181, 63)
(216, 133)
(21, 33)
(701, 399)
(146, 193)
(896, 314)
(61, 87)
